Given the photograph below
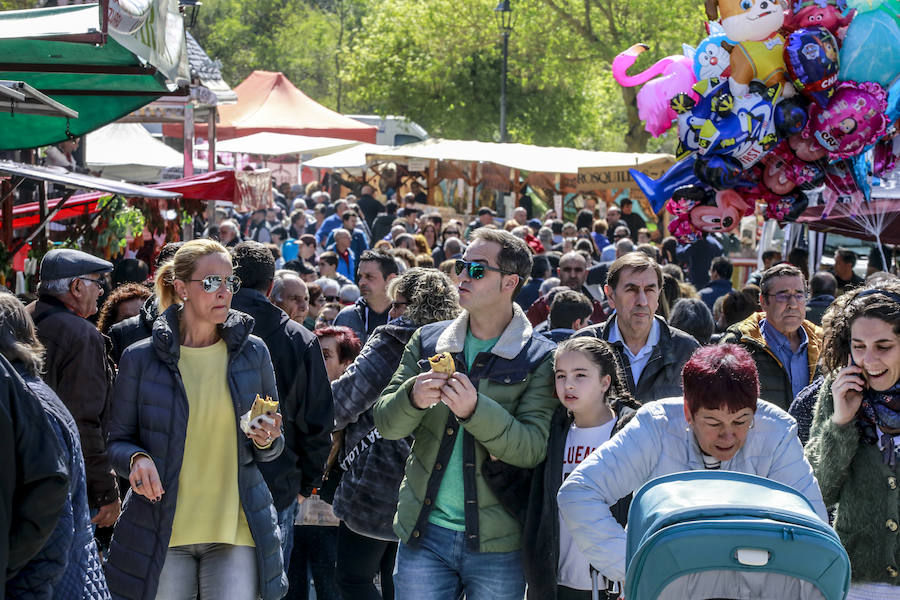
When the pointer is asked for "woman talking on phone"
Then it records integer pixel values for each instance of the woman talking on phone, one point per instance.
(855, 438)
(198, 521)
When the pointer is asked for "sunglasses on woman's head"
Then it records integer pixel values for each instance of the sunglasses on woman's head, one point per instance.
(211, 283)
(476, 270)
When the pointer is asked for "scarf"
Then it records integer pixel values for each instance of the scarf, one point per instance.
(878, 411)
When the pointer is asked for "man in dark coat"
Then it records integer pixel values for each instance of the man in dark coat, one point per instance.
(78, 367)
(303, 388)
(822, 290)
(34, 482)
(699, 257)
(369, 205)
(651, 352)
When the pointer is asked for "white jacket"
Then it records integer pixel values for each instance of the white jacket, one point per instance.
(658, 442)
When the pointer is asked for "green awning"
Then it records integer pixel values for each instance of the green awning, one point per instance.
(63, 53)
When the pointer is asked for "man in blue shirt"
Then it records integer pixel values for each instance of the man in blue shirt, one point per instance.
(719, 281)
(784, 345)
(331, 223)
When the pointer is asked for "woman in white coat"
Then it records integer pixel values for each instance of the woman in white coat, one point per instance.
(718, 424)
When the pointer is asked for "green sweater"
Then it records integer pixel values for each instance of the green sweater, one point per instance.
(852, 476)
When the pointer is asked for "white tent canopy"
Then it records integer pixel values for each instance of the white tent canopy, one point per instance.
(128, 151)
(516, 156)
(352, 159)
(278, 144)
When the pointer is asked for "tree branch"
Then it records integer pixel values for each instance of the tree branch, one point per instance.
(578, 27)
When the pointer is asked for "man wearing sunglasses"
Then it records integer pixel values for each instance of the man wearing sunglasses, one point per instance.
(78, 367)
(496, 406)
(302, 383)
(784, 345)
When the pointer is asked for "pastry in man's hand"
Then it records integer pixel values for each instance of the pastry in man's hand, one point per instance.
(442, 363)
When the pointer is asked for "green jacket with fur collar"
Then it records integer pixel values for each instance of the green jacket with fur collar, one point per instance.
(511, 422)
(853, 476)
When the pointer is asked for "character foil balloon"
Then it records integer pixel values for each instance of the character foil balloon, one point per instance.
(811, 58)
(853, 119)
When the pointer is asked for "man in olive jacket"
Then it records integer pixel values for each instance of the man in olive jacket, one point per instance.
(454, 533)
(784, 345)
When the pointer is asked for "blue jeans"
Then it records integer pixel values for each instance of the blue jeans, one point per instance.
(441, 567)
(209, 572)
(286, 519)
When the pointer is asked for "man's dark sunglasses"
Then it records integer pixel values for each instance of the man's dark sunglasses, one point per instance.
(476, 270)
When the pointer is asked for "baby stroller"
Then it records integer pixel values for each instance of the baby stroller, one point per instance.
(720, 535)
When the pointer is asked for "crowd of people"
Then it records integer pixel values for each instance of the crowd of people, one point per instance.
(465, 406)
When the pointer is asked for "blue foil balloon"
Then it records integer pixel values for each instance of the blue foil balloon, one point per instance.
(812, 62)
(871, 51)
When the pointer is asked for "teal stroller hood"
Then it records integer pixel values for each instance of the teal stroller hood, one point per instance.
(721, 535)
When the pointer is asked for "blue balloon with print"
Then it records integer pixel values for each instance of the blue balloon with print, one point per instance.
(812, 62)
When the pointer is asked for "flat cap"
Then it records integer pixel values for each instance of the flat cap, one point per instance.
(484, 210)
(66, 262)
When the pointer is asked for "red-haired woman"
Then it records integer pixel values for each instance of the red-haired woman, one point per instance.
(718, 424)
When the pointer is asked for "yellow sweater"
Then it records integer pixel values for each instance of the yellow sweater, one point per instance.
(209, 508)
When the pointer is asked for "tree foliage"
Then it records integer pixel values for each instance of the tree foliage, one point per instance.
(439, 62)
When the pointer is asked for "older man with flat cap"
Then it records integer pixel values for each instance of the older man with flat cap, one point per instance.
(78, 366)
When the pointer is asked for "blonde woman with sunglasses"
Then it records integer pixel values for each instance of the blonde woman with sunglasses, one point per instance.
(198, 521)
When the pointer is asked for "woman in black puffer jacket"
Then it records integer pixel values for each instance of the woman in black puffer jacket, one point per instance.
(366, 498)
(199, 515)
(68, 565)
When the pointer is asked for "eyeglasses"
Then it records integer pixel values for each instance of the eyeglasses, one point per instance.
(476, 270)
(332, 298)
(98, 283)
(211, 283)
(395, 305)
(786, 297)
(451, 232)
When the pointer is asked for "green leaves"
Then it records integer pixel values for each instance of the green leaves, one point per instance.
(438, 62)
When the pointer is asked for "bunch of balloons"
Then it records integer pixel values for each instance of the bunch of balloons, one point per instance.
(774, 102)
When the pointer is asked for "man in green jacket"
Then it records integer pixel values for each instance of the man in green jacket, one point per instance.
(784, 345)
(455, 535)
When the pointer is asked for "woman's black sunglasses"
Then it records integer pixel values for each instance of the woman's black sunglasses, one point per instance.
(476, 270)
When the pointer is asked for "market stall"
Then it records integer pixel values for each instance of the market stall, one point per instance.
(268, 101)
(89, 65)
(466, 174)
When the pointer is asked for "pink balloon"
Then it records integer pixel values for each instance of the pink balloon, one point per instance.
(853, 119)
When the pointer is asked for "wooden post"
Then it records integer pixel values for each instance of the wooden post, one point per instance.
(211, 133)
(5, 193)
(188, 139)
(42, 213)
(429, 181)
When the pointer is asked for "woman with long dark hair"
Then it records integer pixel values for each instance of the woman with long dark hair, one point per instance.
(855, 437)
(366, 498)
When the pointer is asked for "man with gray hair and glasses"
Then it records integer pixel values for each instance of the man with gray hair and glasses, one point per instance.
(78, 366)
(784, 345)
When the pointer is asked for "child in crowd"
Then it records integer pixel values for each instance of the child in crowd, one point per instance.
(594, 405)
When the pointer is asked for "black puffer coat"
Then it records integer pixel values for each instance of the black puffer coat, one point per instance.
(133, 329)
(366, 498)
(68, 566)
(150, 416)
